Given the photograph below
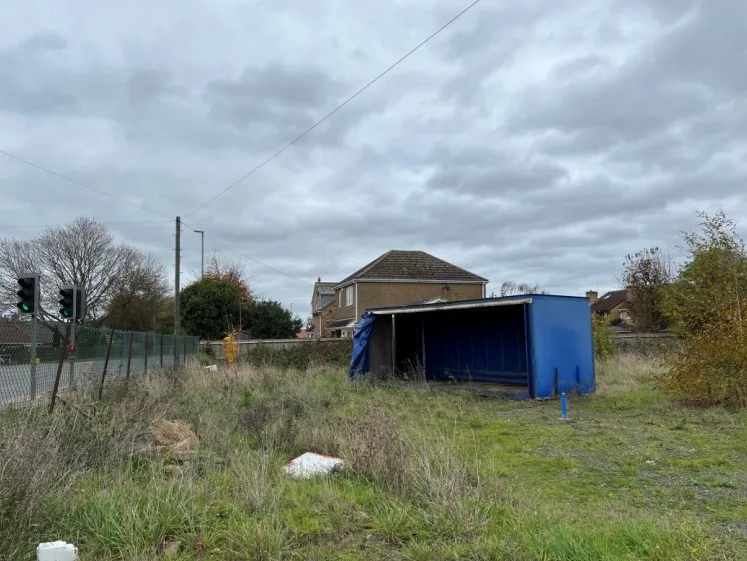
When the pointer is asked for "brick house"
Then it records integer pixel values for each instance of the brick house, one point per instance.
(612, 305)
(322, 308)
(399, 278)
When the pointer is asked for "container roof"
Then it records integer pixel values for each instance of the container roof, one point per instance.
(469, 304)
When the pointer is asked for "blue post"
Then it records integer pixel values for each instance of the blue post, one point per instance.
(564, 406)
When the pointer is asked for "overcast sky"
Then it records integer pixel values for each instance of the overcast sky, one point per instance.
(531, 141)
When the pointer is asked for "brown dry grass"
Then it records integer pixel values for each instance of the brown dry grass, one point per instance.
(430, 475)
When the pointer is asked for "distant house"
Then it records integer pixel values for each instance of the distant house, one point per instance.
(612, 305)
(322, 309)
(399, 278)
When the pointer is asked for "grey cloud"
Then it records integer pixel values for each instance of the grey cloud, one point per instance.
(477, 148)
(484, 172)
(43, 41)
(678, 76)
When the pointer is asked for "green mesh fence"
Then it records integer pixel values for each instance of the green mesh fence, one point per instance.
(31, 352)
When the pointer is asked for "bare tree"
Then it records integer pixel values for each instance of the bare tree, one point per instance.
(646, 276)
(509, 288)
(83, 252)
(140, 297)
(16, 257)
(230, 271)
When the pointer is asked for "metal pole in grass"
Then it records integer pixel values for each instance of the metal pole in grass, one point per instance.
(63, 356)
(184, 354)
(32, 370)
(145, 356)
(161, 350)
(564, 406)
(106, 363)
(129, 356)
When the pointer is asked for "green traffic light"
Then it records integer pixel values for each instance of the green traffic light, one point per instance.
(25, 307)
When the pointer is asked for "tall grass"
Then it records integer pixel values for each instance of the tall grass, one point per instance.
(415, 487)
(627, 373)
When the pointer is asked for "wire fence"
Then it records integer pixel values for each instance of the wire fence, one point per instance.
(33, 351)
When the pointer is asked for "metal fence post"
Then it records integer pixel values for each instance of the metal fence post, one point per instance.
(161, 350)
(32, 375)
(63, 356)
(106, 363)
(145, 358)
(184, 355)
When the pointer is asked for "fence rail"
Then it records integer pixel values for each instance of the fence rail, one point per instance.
(28, 374)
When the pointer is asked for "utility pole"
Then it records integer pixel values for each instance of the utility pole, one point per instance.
(177, 265)
(202, 252)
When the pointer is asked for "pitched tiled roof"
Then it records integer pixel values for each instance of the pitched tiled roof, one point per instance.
(412, 265)
(325, 287)
(609, 300)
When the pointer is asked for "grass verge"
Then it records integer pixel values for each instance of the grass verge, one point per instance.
(633, 475)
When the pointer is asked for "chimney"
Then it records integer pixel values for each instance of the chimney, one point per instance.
(592, 295)
(319, 279)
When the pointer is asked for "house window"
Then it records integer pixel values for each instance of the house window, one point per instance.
(339, 299)
(349, 296)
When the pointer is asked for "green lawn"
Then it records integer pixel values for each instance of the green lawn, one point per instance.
(633, 475)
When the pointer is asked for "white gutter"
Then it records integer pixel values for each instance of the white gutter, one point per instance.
(439, 307)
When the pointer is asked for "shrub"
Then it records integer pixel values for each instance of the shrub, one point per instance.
(603, 337)
(708, 306)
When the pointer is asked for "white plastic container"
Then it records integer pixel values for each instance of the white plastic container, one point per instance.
(56, 551)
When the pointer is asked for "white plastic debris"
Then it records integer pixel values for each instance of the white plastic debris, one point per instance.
(56, 551)
(211, 368)
(310, 464)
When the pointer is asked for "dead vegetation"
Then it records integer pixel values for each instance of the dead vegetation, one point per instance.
(189, 467)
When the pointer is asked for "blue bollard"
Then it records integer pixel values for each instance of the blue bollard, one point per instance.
(564, 406)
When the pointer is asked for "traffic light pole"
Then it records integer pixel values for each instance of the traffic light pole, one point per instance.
(72, 348)
(32, 376)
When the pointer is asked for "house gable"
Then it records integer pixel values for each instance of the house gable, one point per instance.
(399, 265)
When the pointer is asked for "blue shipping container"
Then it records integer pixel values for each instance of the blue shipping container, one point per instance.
(535, 346)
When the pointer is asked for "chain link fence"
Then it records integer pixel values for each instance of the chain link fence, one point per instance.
(32, 351)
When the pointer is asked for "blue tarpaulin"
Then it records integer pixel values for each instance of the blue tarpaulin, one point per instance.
(359, 364)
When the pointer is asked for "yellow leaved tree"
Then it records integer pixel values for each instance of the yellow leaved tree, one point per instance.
(707, 305)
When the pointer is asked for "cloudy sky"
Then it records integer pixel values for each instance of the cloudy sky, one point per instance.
(530, 141)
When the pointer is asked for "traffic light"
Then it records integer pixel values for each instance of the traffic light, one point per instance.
(29, 293)
(67, 301)
(72, 303)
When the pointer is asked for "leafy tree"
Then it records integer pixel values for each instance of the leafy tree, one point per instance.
(210, 308)
(707, 305)
(219, 302)
(646, 275)
(268, 319)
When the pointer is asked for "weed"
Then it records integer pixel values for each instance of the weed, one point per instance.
(430, 475)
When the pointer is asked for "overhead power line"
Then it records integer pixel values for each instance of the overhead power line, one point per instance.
(79, 184)
(335, 110)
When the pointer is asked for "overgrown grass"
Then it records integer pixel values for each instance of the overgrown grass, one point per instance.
(633, 475)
